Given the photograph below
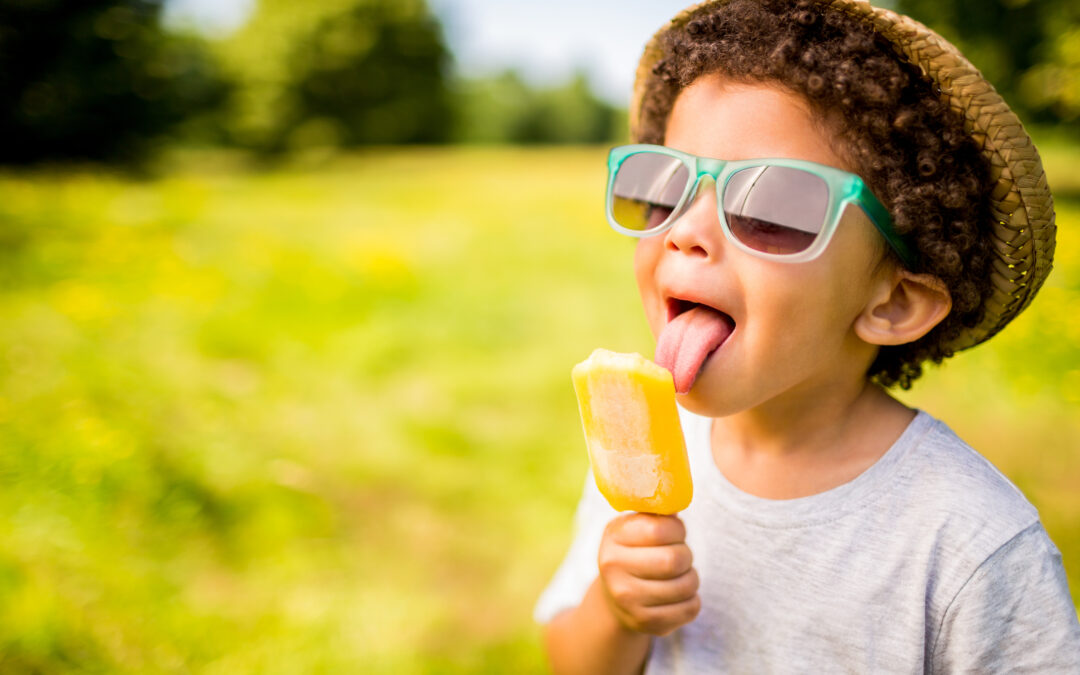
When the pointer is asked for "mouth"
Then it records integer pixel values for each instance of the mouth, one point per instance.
(693, 333)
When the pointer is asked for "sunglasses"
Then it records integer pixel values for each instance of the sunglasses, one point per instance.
(778, 209)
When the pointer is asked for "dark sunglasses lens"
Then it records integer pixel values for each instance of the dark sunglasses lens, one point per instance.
(776, 209)
(646, 190)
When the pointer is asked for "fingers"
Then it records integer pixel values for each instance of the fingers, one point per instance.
(657, 562)
(648, 546)
(661, 619)
(646, 529)
(647, 573)
(628, 590)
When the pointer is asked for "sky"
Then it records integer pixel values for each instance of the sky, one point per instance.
(547, 40)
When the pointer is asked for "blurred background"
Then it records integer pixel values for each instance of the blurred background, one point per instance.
(289, 296)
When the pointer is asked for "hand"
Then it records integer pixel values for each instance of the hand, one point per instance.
(647, 574)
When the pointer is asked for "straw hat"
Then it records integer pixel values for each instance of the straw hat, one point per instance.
(1023, 230)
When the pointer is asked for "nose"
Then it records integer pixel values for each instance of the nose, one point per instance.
(696, 231)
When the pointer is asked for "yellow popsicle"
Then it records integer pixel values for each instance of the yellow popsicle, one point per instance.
(632, 429)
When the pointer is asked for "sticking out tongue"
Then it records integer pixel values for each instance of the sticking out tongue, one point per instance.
(688, 340)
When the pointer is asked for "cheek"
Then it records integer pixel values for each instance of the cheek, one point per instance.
(811, 312)
(646, 256)
(796, 307)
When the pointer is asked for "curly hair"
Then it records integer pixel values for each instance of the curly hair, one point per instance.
(892, 127)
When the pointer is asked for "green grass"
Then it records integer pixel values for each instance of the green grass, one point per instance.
(319, 419)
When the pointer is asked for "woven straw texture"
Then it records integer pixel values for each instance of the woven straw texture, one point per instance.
(1023, 229)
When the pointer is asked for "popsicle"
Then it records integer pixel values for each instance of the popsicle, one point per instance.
(632, 430)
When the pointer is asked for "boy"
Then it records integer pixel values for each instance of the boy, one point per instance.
(877, 206)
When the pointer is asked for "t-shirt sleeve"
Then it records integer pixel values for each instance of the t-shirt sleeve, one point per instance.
(579, 568)
(1013, 615)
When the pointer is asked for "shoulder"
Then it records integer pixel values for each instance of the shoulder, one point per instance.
(958, 486)
(1014, 613)
(957, 509)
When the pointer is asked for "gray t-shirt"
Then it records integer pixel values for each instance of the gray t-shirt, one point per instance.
(929, 561)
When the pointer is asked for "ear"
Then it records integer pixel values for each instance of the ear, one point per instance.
(905, 307)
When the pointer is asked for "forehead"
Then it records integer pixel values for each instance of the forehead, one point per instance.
(718, 117)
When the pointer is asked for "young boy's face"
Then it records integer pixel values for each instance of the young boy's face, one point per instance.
(793, 339)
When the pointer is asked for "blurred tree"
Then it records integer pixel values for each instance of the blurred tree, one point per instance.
(1054, 85)
(375, 73)
(95, 79)
(568, 114)
(258, 57)
(504, 109)
(328, 73)
(1029, 49)
(490, 110)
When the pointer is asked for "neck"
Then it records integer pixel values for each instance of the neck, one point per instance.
(792, 448)
(799, 423)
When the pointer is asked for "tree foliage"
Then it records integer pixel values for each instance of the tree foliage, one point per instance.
(505, 109)
(376, 73)
(1029, 49)
(96, 79)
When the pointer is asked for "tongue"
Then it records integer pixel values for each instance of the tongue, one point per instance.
(687, 341)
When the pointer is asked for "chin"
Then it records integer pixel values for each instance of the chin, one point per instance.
(699, 402)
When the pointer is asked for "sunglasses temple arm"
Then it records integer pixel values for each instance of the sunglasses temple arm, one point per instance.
(883, 222)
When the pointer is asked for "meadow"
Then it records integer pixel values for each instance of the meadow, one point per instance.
(319, 419)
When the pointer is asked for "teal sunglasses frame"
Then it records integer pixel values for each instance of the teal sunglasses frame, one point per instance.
(844, 188)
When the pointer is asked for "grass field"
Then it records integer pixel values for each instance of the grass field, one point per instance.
(319, 419)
